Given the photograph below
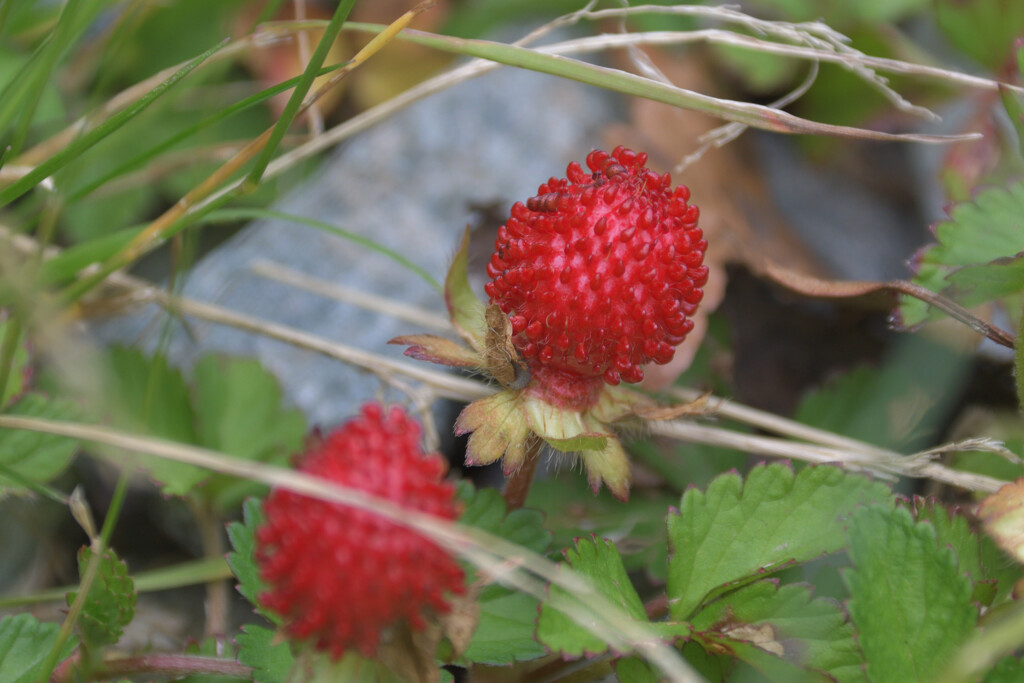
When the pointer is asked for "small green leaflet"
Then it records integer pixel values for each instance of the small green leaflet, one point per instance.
(597, 560)
(35, 456)
(763, 621)
(505, 631)
(270, 661)
(982, 237)
(242, 559)
(24, 645)
(909, 602)
(739, 531)
(110, 605)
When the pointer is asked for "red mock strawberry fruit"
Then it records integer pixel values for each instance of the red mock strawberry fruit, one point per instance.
(598, 274)
(592, 278)
(340, 576)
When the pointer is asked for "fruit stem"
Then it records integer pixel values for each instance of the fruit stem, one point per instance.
(518, 485)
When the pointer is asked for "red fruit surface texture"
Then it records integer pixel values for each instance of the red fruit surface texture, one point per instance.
(339, 575)
(600, 272)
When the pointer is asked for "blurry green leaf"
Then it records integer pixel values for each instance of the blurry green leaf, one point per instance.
(739, 531)
(759, 72)
(238, 411)
(572, 510)
(505, 631)
(598, 560)
(24, 645)
(984, 231)
(910, 604)
(271, 661)
(784, 622)
(983, 29)
(35, 456)
(1008, 670)
(243, 558)
(17, 380)
(1013, 103)
(148, 396)
(902, 403)
(110, 604)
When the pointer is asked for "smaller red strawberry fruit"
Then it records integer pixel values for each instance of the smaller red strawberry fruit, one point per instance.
(340, 576)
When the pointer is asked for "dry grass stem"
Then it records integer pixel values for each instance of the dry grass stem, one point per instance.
(365, 300)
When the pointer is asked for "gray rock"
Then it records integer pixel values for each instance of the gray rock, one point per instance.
(407, 183)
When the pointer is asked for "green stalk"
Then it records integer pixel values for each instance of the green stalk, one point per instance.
(291, 110)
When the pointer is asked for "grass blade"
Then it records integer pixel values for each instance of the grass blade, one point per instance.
(79, 146)
(291, 110)
(170, 142)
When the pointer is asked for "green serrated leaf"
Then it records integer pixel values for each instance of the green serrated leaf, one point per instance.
(738, 530)
(788, 623)
(146, 395)
(271, 661)
(977, 555)
(597, 560)
(238, 411)
(909, 602)
(1008, 670)
(110, 605)
(977, 232)
(505, 630)
(34, 456)
(24, 645)
(242, 559)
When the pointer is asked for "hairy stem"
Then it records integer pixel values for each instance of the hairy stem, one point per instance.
(518, 485)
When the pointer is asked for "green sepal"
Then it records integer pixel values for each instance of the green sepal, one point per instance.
(499, 429)
(565, 430)
(464, 308)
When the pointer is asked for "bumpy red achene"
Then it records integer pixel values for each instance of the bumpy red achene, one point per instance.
(340, 576)
(599, 273)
